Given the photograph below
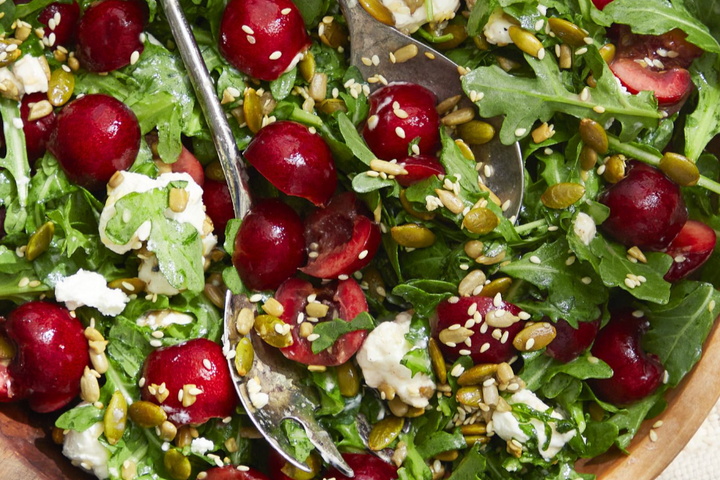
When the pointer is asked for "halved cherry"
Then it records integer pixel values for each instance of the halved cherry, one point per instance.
(419, 167)
(345, 300)
(365, 467)
(94, 137)
(185, 163)
(64, 18)
(340, 238)
(269, 246)
(231, 472)
(636, 374)
(37, 132)
(670, 86)
(488, 344)
(218, 204)
(646, 208)
(296, 161)
(690, 249)
(199, 363)
(399, 113)
(262, 38)
(671, 48)
(570, 342)
(109, 33)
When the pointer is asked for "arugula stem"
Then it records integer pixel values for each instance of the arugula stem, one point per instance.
(301, 116)
(15, 160)
(520, 229)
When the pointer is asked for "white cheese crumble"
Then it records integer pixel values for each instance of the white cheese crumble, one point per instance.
(496, 30)
(584, 227)
(507, 426)
(200, 446)
(257, 397)
(85, 451)
(30, 72)
(6, 74)
(90, 289)
(408, 20)
(380, 357)
(163, 318)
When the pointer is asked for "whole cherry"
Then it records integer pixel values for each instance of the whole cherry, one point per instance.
(570, 342)
(61, 21)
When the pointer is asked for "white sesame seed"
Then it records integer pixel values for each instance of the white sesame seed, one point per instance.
(520, 132)
(599, 109)
(453, 299)
(366, 61)
(638, 314)
(457, 370)
(464, 352)
(251, 40)
(711, 305)
(570, 260)
(17, 123)
(286, 11)
(553, 228)
(541, 54)
(593, 360)
(586, 280)
(275, 55)
(658, 424)
(529, 344)
(248, 30)
(134, 57)
(400, 132)
(207, 364)
(256, 298)
(375, 60)
(497, 299)
(141, 383)
(580, 51)
(588, 40)
(653, 436)
(66, 68)
(629, 283)
(155, 343)
(485, 347)
(601, 169)
(539, 24)
(548, 151)
(535, 259)
(666, 377)
(524, 316)
(585, 94)
(312, 337)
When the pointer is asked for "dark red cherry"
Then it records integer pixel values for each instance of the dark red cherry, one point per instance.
(231, 472)
(198, 362)
(37, 132)
(388, 135)
(269, 247)
(262, 38)
(690, 249)
(419, 167)
(340, 238)
(109, 33)
(94, 137)
(636, 374)
(218, 204)
(68, 15)
(646, 208)
(672, 48)
(296, 161)
(570, 342)
(600, 4)
(669, 86)
(487, 345)
(365, 467)
(345, 300)
(47, 353)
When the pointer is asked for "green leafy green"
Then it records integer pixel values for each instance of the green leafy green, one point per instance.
(16, 163)
(703, 124)
(330, 331)
(297, 439)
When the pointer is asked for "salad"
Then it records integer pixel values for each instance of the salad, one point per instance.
(475, 344)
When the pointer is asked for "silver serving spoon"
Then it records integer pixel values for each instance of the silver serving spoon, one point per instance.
(279, 378)
(439, 74)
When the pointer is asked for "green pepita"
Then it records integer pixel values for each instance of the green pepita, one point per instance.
(273, 331)
(306, 66)
(177, 465)
(562, 195)
(348, 380)
(614, 168)
(412, 235)
(568, 32)
(477, 374)
(146, 414)
(476, 132)
(438, 361)
(469, 396)
(60, 87)
(378, 11)
(128, 285)
(680, 169)
(252, 109)
(481, 221)
(499, 285)
(588, 157)
(408, 207)
(40, 241)
(594, 135)
(525, 41)
(115, 419)
(244, 356)
(384, 432)
(535, 337)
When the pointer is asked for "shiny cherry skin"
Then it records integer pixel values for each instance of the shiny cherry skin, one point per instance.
(669, 86)
(690, 249)
(218, 204)
(600, 4)
(65, 30)
(342, 235)
(94, 137)
(230, 472)
(419, 167)
(345, 300)
(269, 246)
(185, 163)
(646, 208)
(50, 356)
(388, 135)
(187, 364)
(296, 161)
(109, 33)
(37, 132)
(262, 38)
(449, 314)
(570, 342)
(365, 467)
(636, 374)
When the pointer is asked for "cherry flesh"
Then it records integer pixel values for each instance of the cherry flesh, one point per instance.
(690, 249)
(419, 167)
(269, 247)
(231, 472)
(262, 38)
(295, 160)
(345, 300)
(37, 132)
(198, 362)
(366, 467)
(570, 342)
(669, 86)
(399, 113)
(646, 208)
(341, 239)
(218, 204)
(94, 137)
(69, 14)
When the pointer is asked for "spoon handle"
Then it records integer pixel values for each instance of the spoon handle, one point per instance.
(230, 158)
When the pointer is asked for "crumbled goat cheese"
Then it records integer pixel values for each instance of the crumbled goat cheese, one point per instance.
(496, 30)
(200, 446)
(380, 357)
(91, 289)
(584, 227)
(507, 426)
(6, 74)
(156, 319)
(29, 71)
(85, 451)
(257, 397)
(409, 19)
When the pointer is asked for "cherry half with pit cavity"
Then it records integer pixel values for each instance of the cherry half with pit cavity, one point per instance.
(690, 249)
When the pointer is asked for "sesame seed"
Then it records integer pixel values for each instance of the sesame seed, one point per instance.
(247, 30)
(343, 277)
(141, 383)
(553, 228)
(570, 260)
(586, 280)
(497, 299)
(505, 337)
(17, 123)
(599, 109)
(629, 283)
(666, 377)
(558, 50)
(251, 40)
(588, 40)
(34, 284)
(658, 424)
(488, 170)
(155, 343)
(375, 60)
(455, 326)
(638, 314)
(485, 347)
(601, 169)
(133, 58)
(711, 305)
(524, 316)
(653, 436)
(67, 69)
(207, 364)
(585, 94)
(366, 61)
(520, 132)
(457, 370)
(430, 55)
(593, 360)
(363, 254)
(539, 24)
(464, 352)
(506, 206)
(275, 55)
(400, 132)
(541, 54)
(535, 259)
(23, 282)
(256, 298)
(529, 344)
(453, 299)
(312, 337)
(580, 51)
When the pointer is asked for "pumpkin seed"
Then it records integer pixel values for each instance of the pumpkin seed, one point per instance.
(477, 375)
(474, 429)
(492, 259)
(493, 198)
(128, 285)
(269, 328)
(376, 284)
(183, 437)
(408, 207)
(438, 361)
(465, 149)
(449, 456)
(679, 169)
(378, 11)
(470, 282)
(469, 396)
(40, 241)
(594, 135)
(474, 248)
(614, 168)
(58, 436)
(7, 350)
(214, 171)
(60, 87)
(562, 195)
(146, 414)
(115, 419)
(473, 439)
(476, 132)
(567, 31)
(459, 33)
(348, 380)
(499, 285)
(252, 109)
(525, 41)
(414, 412)
(334, 35)
(412, 235)
(588, 157)
(535, 337)
(332, 105)
(177, 465)
(398, 407)
(607, 52)
(11, 55)
(384, 432)
(481, 221)
(244, 356)
(306, 66)
(313, 461)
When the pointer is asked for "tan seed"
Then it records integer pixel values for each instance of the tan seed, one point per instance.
(448, 104)
(500, 318)
(215, 295)
(471, 281)
(403, 54)
(474, 248)
(273, 307)
(39, 110)
(316, 310)
(99, 361)
(245, 321)
(168, 431)
(451, 201)
(306, 329)
(565, 60)
(638, 254)
(456, 337)
(318, 87)
(458, 117)
(178, 199)
(387, 167)
(542, 133)
(89, 387)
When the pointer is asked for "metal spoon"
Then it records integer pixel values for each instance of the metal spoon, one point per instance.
(369, 37)
(279, 378)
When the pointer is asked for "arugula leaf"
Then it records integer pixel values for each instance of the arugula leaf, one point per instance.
(471, 466)
(597, 438)
(703, 124)
(282, 86)
(525, 100)
(424, 295)
(417, 360)
(354, 140)
(312, 10)
(439, 442)
(297, 439)
(331, 400)
(708, 11)
(80, 418)
(15, 162)
(332, 330)
(630, 419)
